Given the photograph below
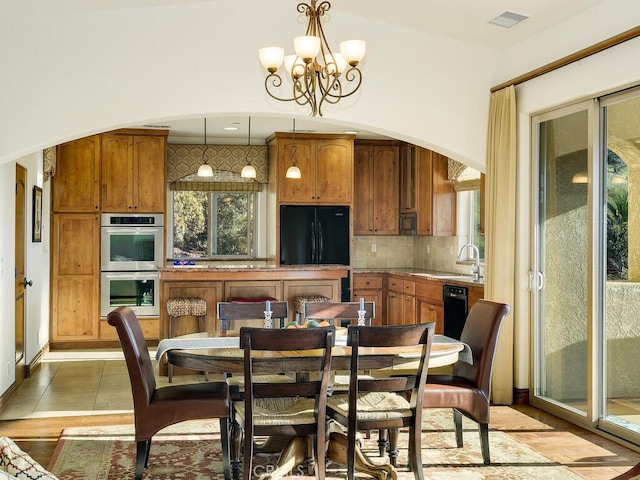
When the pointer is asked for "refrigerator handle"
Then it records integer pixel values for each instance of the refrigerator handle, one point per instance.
(313, 242)
(320, 244)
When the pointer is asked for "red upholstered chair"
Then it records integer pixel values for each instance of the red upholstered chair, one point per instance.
(156, 408)
(467, 390)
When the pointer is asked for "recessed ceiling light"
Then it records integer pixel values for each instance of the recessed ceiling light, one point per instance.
(231, 128)
(351, 132)
(508, 19)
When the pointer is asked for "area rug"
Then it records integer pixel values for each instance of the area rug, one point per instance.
(191, 451)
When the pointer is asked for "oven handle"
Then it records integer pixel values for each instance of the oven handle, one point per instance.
(132, 275)
(132, 229)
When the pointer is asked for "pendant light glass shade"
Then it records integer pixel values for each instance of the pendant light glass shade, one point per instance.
(248, 171)
(205, 169)
(293, 172)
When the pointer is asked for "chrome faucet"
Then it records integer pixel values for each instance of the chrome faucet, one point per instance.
(475, 270)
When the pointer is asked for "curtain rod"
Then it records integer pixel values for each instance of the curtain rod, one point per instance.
(574, 57)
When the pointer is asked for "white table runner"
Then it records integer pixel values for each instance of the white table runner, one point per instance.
(202, 340)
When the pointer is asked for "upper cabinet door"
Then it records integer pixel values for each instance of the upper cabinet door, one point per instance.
(296, 190)
(363, 190)
(386, 189)
(76, 184)
(149, 177)
(334, 171)
(117, 173)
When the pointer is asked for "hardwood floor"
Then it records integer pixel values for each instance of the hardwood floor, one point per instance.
(74, 388)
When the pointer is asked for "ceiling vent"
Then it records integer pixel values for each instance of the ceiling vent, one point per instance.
(508, 19)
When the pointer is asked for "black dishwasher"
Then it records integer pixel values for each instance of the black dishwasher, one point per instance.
(456, 304)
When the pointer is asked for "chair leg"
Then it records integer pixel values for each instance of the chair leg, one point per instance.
(236, 445)
(484, 443)
(226, 451)
(383, 441)
(457, 419)
(393, 446)
(142, 457)
(415, 451)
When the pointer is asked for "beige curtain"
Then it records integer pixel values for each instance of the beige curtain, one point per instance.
(500, 228)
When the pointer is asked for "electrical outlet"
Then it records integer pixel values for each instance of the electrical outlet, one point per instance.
(8, 367)
(428, 248)
(374, 247)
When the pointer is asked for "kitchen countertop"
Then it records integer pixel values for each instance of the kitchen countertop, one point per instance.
(445, 277)
(252, 272)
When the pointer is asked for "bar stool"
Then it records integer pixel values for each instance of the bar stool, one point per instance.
(300, 300)
(180, 307)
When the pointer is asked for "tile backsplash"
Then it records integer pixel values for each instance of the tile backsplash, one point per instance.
(429, 253)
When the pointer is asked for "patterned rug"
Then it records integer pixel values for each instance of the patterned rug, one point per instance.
(191, 451)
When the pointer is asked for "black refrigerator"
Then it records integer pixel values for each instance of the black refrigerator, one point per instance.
(315, 235)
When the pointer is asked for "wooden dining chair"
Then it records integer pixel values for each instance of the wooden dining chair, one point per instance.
(289, 409)
(156, 408)
(467, 390)
(388, 403)
(250, 312)
(339, 312)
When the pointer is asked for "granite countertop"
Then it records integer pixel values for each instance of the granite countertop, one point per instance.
(250, 267)
(422, 273)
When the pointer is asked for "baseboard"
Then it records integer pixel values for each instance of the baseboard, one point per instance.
(36, 362)
(521, 396)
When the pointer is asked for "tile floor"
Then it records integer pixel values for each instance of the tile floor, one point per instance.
(78, 382)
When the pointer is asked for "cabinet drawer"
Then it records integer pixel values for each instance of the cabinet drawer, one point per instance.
(395, 284)
(430, 291)
(373, 282)
(409, 287)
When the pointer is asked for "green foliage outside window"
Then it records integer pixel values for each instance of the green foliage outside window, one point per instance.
(210, 224)
(617, 219)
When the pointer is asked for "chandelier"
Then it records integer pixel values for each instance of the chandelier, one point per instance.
(317, 74)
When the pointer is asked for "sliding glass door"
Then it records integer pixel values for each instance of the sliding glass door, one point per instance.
(586, 263)
(620, 397)
(562, 275)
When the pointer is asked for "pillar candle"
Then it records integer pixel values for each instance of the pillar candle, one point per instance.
(268, 309)
(361, 303)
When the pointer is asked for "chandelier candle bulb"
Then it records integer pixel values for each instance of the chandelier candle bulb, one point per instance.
(353, 51)
(271, 58)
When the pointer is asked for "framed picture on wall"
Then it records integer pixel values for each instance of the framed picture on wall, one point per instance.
(37, 215)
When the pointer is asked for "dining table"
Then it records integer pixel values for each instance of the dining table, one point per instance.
(219, 352)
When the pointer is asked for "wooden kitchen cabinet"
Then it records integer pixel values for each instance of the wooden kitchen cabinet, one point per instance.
(76, 184)
(326, 167)
(426, 192)
(430, 305)
(75, 275)
(133, 172)
(401, 301)
(370, 287)
(377, 188)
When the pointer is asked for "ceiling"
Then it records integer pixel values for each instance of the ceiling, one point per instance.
(463, 20)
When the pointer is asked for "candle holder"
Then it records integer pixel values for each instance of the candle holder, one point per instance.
(268, 323)
(361, 314)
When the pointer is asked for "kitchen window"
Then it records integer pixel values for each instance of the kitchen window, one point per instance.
(213, 224)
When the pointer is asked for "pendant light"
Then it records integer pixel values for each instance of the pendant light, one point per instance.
(205, 169)
(293, 171)
(248, 171)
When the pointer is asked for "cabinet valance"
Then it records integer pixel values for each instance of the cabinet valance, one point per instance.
(184, 160)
